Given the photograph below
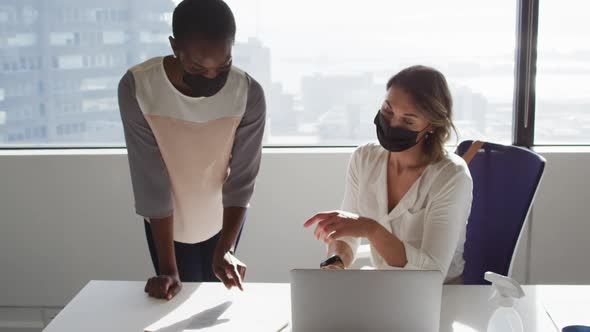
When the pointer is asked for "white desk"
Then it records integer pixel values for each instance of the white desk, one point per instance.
(123, 306)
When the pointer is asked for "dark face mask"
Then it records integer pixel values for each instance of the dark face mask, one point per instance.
(395, 139)
(202, 86)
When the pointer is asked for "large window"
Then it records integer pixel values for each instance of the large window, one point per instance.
(323, 64)
(563, 73)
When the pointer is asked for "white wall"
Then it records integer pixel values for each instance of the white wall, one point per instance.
(68, 218)
(561, 221)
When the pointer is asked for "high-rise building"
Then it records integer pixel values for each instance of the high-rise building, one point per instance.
(255, 58)
(61, 60)
(342, 106)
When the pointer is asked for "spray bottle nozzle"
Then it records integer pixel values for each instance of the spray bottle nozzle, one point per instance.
(505, 289)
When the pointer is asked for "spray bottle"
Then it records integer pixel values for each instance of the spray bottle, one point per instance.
(505, 293)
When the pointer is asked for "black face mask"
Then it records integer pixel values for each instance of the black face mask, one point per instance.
(202, 86)
(395, 139)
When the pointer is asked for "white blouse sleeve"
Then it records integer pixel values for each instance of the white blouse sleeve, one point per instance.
(445, 218)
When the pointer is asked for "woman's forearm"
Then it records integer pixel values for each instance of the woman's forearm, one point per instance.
(162, 230)
(341, 249)
(387, 245)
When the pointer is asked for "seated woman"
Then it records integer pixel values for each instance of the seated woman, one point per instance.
(407, 195)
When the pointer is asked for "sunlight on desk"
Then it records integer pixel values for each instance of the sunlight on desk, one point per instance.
(460, 327)
(213, 308)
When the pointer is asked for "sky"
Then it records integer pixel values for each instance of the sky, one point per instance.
(471, 42)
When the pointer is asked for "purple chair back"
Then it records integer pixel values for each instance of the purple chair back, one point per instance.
(505, 180)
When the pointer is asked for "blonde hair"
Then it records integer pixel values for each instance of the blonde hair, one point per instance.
(430, 93)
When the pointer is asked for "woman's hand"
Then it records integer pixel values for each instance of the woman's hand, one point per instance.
(228, 269)
(163, 286)
(336, 224)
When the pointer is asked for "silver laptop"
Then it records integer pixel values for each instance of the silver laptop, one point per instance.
(365, 300)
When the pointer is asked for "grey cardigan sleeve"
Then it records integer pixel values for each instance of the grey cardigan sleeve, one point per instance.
(149, 176)
(247, 150)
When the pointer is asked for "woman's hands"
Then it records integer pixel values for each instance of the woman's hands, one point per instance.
(337, 224)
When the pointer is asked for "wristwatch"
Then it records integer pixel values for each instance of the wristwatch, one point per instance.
(332, 260)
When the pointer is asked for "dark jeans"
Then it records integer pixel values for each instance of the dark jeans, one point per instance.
(193, 260)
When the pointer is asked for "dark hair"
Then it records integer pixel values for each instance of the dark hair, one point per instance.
(430, 93)
(210, 19)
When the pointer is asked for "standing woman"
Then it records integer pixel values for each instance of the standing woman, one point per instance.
(193, 125)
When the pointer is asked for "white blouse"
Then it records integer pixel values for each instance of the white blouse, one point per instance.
(430, 219)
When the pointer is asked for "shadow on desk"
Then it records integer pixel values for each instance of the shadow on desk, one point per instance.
(204, 319)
